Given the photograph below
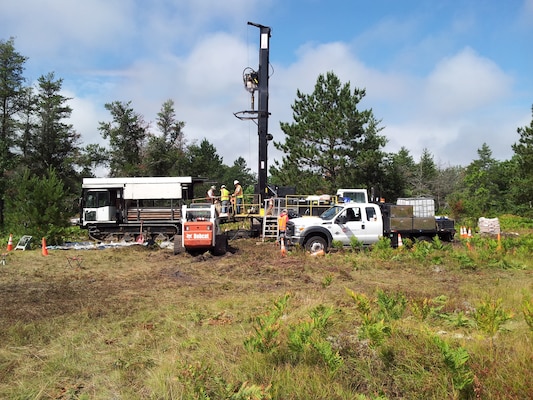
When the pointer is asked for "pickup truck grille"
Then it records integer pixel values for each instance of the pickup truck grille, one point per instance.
(290, 229)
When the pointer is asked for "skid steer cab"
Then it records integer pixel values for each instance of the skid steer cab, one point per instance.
(201, 230)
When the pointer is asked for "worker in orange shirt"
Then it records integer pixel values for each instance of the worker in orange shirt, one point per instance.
(282, 223)
(282, 226)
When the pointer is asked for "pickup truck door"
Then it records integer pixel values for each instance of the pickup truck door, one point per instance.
(357, 222)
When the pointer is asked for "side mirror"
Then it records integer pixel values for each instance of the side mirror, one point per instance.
(342, 219)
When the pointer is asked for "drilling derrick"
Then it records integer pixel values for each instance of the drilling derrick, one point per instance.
(257, 81)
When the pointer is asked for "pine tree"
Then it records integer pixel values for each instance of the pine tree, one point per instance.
(49, 142)
(127, 134)
(331, 143)
(12, 92)
(165, 153)
(524, 158)
(38, 206)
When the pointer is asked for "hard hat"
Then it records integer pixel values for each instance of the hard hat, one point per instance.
(213, 187)
(223, 186)
(235, 182)
(284, 211)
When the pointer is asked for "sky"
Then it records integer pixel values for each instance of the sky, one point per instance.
(444, 76)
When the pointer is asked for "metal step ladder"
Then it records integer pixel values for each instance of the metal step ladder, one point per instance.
(270, 227)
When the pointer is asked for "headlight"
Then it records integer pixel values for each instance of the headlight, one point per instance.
(299, 228)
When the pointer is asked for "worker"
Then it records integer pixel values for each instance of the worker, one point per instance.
(211, 195)
(282, 224)
(224, 198)
(238, 195)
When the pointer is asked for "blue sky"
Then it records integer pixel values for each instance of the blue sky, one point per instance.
(442, 75)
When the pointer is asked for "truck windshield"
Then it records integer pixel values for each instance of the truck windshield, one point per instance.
(330, 213)
(95, 199)
(354, 197)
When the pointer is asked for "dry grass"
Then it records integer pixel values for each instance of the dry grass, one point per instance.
(137, 323)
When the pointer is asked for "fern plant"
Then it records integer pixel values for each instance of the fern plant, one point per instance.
(456, 360)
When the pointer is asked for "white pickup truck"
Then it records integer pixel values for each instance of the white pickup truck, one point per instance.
(340, 223)
(367, 222)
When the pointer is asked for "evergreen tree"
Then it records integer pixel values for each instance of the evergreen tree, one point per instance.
(524, 157)
(399, 171)
(331, 143)
(48, 141)
(12, 92)
(38, 206)
(481, 189)
(127, 134)
(165, 154)
(239, 171)
(204, 162)
(449, 180)
(424, 175)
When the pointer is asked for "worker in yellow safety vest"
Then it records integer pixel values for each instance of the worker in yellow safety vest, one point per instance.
(224, 198)
(238, 195)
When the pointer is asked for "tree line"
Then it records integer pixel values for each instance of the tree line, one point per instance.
(330, 143)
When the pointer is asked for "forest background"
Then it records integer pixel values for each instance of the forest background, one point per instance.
(330, 143)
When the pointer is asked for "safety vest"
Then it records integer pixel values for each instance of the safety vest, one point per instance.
(238, 192)
(282, 222)
(224, 194)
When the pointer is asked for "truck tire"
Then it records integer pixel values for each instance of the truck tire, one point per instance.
(221, 245)
(178, 248)
(316, 243)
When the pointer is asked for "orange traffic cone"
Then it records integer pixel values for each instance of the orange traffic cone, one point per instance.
(140, 238)
(44, 249)
(10, 243)
(469, 234)
(400, 241)
(318, 253)
(283, 249)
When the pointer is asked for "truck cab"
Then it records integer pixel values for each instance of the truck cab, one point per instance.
(340, 223)
(100, 206)
(352, 196)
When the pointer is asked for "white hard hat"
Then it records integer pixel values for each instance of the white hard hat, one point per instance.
(223, 186)
(213, 187)
(235, 181)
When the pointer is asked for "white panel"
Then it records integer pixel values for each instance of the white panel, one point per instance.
(134, 191)
(264, 40)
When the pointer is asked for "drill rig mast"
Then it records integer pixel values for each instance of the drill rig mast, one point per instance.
(258, 81)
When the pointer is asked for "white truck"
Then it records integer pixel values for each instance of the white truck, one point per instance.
(367, 222)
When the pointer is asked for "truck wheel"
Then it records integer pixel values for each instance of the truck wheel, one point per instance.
(178, 248)
(221, 245)
(316, 243)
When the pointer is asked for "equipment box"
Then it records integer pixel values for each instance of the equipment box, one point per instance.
(401, 211)
(424, 224)
(401, 224)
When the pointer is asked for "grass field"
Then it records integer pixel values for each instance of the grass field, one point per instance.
(429, 321)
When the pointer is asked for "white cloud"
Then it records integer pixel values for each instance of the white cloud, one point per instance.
(463, 83)
(428, 93)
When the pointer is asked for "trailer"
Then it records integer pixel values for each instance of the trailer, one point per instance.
(129, 207)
